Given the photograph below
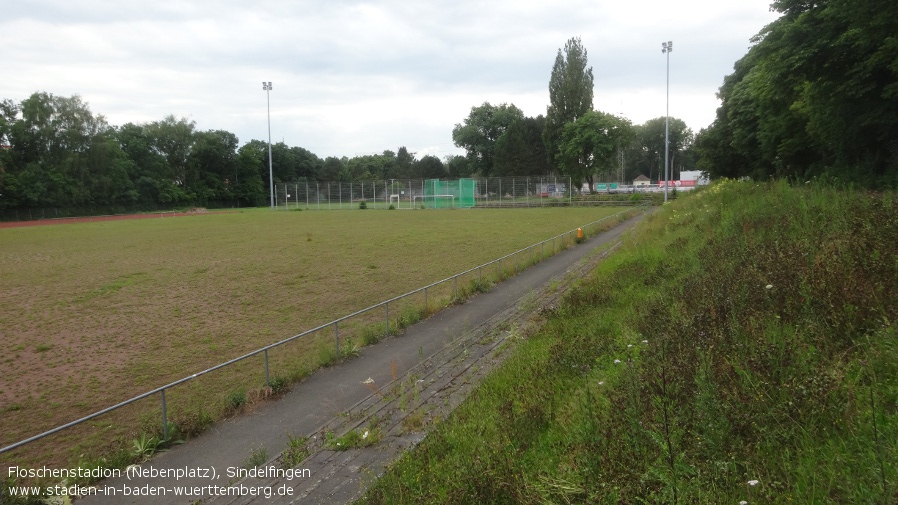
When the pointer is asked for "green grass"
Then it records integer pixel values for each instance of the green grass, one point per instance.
(741, 347)
(96, 313)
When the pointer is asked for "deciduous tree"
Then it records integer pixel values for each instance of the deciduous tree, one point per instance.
(570, 94)
(588, 146)
(520, 150)
(480, 131)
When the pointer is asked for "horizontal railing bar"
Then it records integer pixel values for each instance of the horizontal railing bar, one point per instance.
(282, 342)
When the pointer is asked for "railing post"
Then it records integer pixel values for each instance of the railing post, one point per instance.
(426, 304)
(387, 327)
(337, 336)
(456, 287)
(266, 367)
(164, 418)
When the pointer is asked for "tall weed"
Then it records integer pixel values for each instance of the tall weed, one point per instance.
(740, 346)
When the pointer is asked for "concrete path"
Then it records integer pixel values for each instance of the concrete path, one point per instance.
(424, 373)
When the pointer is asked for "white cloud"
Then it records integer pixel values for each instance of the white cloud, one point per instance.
(354, 76)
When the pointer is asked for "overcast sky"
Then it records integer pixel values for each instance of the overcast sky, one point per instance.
(355, 77)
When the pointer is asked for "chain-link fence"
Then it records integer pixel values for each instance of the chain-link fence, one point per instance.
(420, 193)
(398, 193)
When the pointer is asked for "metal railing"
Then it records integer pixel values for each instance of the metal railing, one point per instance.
(562, 240)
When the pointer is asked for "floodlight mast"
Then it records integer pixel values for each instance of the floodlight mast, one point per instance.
(666, 48)
(266, 86)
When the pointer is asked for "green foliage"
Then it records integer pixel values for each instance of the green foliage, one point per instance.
(8, 499)
(589, 145)
(296, 452)
(193, 422)
(64, 156)
(363, 205)
(458, 167)
(481, 130)
(741, 347)
(570, 94)
(278, 385)
(645, 155)
(145, 447)
(235, 401)
(814, 96)
(520, 150)
(429, 167)
(354, 439)
(257, 457)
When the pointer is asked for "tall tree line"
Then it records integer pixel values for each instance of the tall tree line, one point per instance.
(816, 95)
(56, 153)
(572, 138)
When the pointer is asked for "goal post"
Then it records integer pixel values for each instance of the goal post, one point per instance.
(458, 193)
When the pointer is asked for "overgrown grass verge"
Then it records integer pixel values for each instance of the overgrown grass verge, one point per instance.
(741, 347)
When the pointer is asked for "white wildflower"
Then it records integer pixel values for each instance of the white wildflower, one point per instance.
(616, 361)
(645, 341)
(629, 346)
(753, 483)
(601, 382)
(743, 502)
(365, 435)
(769, 286)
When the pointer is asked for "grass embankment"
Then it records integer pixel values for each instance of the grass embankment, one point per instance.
(741, 347)
(96, 313)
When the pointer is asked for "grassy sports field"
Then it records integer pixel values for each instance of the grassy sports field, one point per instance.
(96, 313)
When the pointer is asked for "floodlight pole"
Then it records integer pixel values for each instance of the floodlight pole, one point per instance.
(266, 86)
(666, 48)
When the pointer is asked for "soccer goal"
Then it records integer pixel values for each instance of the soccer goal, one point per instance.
(449, 194)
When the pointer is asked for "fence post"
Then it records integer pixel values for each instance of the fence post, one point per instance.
(456, 287)
(426, 304)
(337, 336)
(387, 328)
(266, 367)
(164, 418)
